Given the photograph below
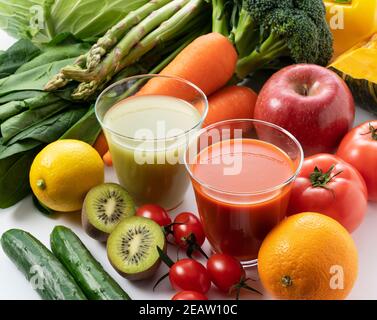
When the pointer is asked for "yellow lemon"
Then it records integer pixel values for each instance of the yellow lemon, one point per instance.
(63, 173)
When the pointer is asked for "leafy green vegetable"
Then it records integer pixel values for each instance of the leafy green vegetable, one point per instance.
(15, 107)
(33, 79)
(17, 55)
(42, 20)
(11, 109)
(19, 95)
(22, 146)
(21, 122)
(54, 53)
(14, 178)
(52, 128)
(86, 129)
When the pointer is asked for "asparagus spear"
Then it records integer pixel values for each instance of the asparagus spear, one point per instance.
(111, 38)
(60, 80)
(122, 49)
(183, 20)
(106, 43)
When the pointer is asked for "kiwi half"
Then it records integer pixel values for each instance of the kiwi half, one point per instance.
(132, 247)
(104, 207)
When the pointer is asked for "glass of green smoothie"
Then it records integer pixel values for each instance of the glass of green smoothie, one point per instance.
(148, 121)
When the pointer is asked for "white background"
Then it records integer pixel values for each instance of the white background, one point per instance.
(14, 286)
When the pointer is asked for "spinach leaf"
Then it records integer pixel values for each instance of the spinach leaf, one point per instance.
(29, 118)
(11, 109)
(54, 53)
(14, 181)
(86, 129)
(19, 95)
(17, 55)
(34, 79)
(52, 128)
(16, 148)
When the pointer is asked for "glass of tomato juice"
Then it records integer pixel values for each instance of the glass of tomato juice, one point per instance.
(242, 171)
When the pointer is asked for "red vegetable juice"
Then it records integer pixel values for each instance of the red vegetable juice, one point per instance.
(238, 209)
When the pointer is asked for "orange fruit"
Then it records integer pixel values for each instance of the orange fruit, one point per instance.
(308, 256)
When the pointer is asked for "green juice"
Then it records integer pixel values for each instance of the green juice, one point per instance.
(147, 137)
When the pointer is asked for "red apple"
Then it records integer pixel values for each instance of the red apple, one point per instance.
(311, 102)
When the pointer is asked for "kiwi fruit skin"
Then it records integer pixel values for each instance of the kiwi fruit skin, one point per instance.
(150, 272)
(89, 228)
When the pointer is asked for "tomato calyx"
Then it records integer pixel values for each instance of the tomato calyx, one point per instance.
(165, 259)
(192, 246)
(320, 179)
(242, 285)
(372, 131)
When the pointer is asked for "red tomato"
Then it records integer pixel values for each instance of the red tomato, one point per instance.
(154, 212)
(189, 295)
(359, 148)
(189, 275)
(225, 271)
(185, 224)
(330, 186)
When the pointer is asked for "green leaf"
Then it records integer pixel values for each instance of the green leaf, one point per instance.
(42, 20)
(29, 118)
(14, 180)
(17, 55)
(11, 109)
(34, 79)
(86, 129)
(19, 147)
(52, 128)
(55, 53)
(19, 95)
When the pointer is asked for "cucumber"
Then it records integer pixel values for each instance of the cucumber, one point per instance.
(96, 283)
(41, 268)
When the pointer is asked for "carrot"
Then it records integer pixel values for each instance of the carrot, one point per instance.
(208, 62)
(234, 102)
(101, 144)
(107, 159)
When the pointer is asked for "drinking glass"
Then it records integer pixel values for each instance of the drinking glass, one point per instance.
(242, 172)
(149, 162)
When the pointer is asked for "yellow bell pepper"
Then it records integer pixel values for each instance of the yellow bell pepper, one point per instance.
(351, 21)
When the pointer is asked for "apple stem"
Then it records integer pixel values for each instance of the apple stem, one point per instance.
(306, 90)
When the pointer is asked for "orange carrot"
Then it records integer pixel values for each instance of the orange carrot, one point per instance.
(234, 102)
(107, 159)
(208, 62)
(101, 144)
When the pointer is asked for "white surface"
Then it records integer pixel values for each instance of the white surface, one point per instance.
(14, 286)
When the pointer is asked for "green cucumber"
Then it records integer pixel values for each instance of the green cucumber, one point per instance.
(41, 268)
(96, 283)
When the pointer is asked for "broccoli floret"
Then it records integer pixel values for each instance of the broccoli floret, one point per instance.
(267, 31)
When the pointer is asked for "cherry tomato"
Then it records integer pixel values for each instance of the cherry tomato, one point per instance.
(359, 148)
(189, 275)
(225, 271)
(154, 212)
(189, 295)
(185, 225)
(330, 186)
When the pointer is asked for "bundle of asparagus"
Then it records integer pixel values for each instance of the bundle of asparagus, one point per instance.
(160, 28)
